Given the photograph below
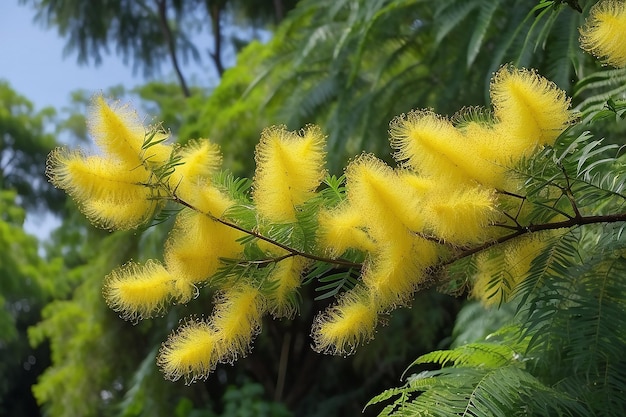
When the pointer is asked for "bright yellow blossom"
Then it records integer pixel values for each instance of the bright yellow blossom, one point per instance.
(430, 145)
(380, 196)
(189, 352)
(197, 347)
(194, 249)
(290, 167)
(346, 325)
(393, 273)
(138, 291)
(237, 319)
(532, 110)
(199, 161)
(460, 215)
(118, 131)
(284, 280)
(343, 228)
(604, 33)
(110, 193)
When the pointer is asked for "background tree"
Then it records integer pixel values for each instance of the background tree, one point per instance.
(28, 280)
(352, 66)
(25, 140)
(148, 33)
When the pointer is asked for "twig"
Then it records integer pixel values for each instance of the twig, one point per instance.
(292, 251)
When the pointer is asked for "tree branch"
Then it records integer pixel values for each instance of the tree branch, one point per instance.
(522, 230)
(292, 251)
(565, 224)
(215, 12)
(171, 44)
(279, 11)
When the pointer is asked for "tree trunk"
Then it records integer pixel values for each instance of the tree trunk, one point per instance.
(171, 45)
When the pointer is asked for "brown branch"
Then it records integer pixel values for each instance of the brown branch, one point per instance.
(265, 262)
(565, 224)
(279, 11)
(292, 251)
(282, 367)
(570, 222)
(171, 45)
(214, 8)
(569, 195)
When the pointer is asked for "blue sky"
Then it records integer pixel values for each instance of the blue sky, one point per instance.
(31, 60)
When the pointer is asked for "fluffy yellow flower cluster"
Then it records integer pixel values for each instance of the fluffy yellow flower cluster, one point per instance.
(444, 191)
(403, 220)
(110, 189)
(604, 32)
(137, 172)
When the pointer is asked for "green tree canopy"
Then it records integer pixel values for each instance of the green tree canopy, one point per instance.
(24, 143)
(148, 33)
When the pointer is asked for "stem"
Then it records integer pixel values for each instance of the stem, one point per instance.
(520, 230)
(279, 11)
(282, 368)
(569, 195)
(264, 262)
(571, 222)
(292, 251)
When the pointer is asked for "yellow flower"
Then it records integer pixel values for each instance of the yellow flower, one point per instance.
(199, 160)
(393, 273)
(284, 281)
(189, 352)
(123, 215)
(430, 145)
(343, 327)
(118, 130)
(343, 228)
(290, 167)
(604, 33)
(493, 154)
(194, 249)
(138, 291)
(460, 216)
(237, 319)
(210, 200)
(381, 196)
(197, 347)
(532, 110)
(110, 193)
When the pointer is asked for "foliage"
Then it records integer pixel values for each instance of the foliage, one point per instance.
(352, 66)
(270, 237)
(148, 33)
(561, 350)
(27, 278)
(24, 288)
(24, 144)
